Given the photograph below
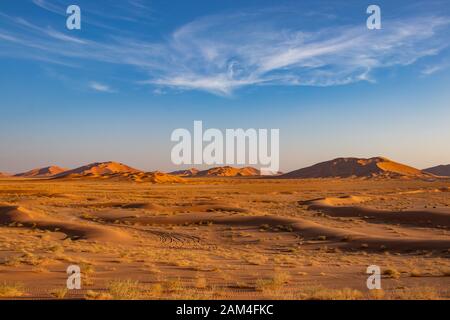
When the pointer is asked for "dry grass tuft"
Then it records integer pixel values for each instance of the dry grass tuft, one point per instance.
(59, 293)
(124, 289)
(392, 273)
(11, 290)
(321, 293)
(94, 295)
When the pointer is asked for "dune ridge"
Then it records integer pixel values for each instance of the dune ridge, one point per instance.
(377, 167)
(17, 215)
(346, 207)
(98, 169)
(42, 172)
(227, 171)
(185, 173)
(309, 230)
(441, 170)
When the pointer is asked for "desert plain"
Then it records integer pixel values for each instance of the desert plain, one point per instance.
(225, 238)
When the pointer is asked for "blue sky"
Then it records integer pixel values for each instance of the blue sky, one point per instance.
(137, 70)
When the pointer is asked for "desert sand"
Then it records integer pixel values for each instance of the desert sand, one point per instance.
(223, 237)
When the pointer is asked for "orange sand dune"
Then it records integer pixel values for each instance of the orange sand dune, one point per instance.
(152, 177)
(117, 172)
(42, 172)
(228, 171)
(308, 230)
(199, 206)
(20, 216)
(98, 169)
(357, 167)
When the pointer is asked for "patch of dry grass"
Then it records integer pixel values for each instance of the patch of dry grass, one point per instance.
(391, 273)
(11, 290)
(59, 293)
(124, 289)
(321, 293)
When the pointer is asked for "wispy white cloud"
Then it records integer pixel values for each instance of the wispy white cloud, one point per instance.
(222, 53)
(431, 69)
(100, 87)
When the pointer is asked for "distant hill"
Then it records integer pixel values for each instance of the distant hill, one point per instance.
(152, 177)
(161, 177)
(228, 171)
(185, 173)
(4, 175)
(442, 170)
(116, 171)
(41, 172)
(97, 169)
(377, 167)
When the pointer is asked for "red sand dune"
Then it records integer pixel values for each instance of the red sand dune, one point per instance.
(42, 172)
(357, 167)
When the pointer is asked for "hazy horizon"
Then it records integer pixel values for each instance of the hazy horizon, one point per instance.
(137, 70)
(186, 167)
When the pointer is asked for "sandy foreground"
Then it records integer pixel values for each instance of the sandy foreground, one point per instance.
(227, 238)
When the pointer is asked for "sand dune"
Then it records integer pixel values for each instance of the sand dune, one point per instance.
(377, 167)
(344, 239)
(4, 175)
(117, 172)
(160, 177)
(98, 169)
(152, 177)
(342, 207)
(228, 171)
(215, 213)
(185, 173)
(442, 170)
(42, 172)
(20, 216)
(225, 171)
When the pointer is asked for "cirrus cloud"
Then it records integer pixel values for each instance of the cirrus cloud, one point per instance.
(222, 53)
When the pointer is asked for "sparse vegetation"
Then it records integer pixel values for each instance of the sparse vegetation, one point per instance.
(11, 290)
(59, 293)
(124, 289)
(391, 273)
(268, 256)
